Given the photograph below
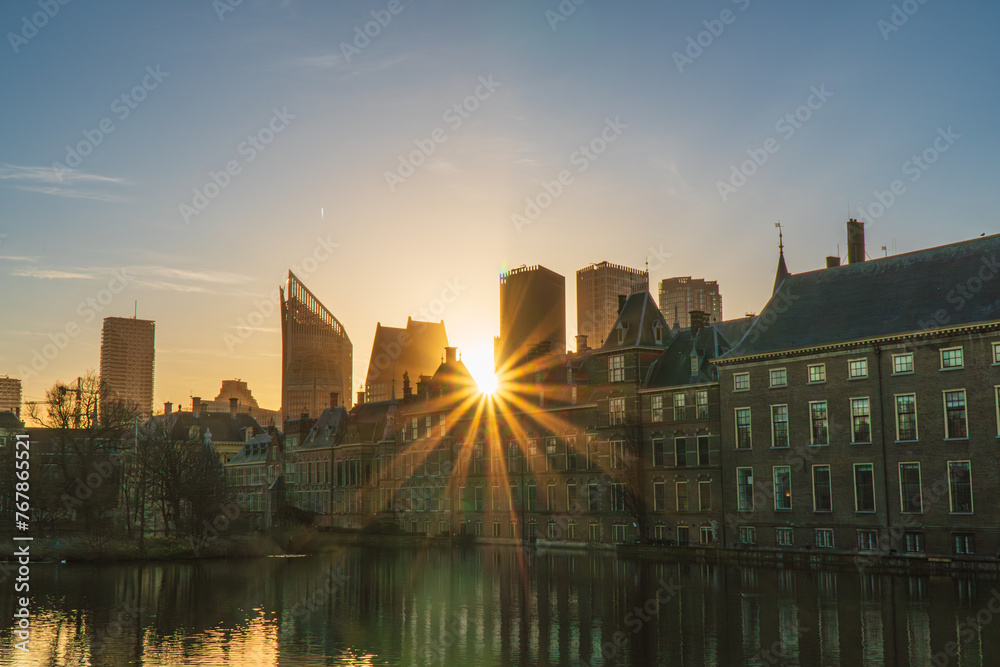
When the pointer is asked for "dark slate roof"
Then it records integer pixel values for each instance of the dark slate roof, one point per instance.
(9, 420)
(881, 297)
(224, 426)
(254, 451)
(328, 429)
(637, 316)
(673, 368)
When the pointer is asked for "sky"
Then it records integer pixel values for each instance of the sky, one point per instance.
(175, 160)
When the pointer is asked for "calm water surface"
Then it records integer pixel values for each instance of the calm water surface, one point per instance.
(498, 607)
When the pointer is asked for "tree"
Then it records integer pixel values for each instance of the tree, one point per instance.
(630, 471)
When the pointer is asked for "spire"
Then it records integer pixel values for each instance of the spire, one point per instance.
(782, 271)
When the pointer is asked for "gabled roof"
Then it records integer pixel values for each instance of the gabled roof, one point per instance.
(673, 368)
(881, 297)
(637, 320)
(8, 420)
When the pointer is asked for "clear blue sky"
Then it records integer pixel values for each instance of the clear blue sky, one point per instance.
(346, 115)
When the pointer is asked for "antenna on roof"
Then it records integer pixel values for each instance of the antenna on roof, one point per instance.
(781, 238)
(135, 312)
(885, 250)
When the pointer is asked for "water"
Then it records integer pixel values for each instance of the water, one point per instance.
(498, 607)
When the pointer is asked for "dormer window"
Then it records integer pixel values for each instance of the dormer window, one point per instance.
(621, 334)
(694, 364)
(657, 332)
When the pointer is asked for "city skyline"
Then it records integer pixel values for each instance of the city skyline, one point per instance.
(289, 150)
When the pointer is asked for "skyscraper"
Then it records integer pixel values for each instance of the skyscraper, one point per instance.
(679, 296)
(316, 353)
(532, 312)
(127, 356)
(10, 395)
(415, 350)
(597, 289)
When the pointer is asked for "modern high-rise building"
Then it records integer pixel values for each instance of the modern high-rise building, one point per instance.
(415, 350)
(532, 312)
(10, 395)
(316, 353)
(679, 296)
(597, 289)
(127, 356)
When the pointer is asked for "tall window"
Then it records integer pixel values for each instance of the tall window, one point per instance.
(955, 425)
(532, 497)
(861, 428)
(743, 428)
(593, 498)
(952, 357)
(592, 452)
(782, 488)
(779, 378)
(703, 450)
(680, 452)
(817, 373)
(701, 401)
(822, 489)
(705, 496)
(616, 368)
(741, 381)
(659, 453)
(960, 486)
(906, 417)
(857, 368)
(864, 487)
(744, 489)
(656, 407)
(779, 425)
(819, 423)
(996, 353)
(784, 537)
(659, 496)
(572, 455)
(910, 494)
(680, 411)
(616, 410)
(550, 500)
(617, 454)
(902, 363)
(682, 496)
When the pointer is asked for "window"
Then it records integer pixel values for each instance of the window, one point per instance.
(572, 455)
(857, 368)
(864, 487)
(550, 501)
(779, 378)
(618, 532)
(571, 530)
(616, 411)
(479, 498)
(660, 532)
(532, 446)
(413, 429)
(682, 496)
(743, 428)
(656, 407)
(707, 535)
(427, 426)
(960, 486)
(570, 495)
(442, 427)
(996, 353)
(867, 540)
(996, 390)
(965, 543)
(616, 368)
(741, 382)
(782, 488)
(817, 373)
(680, 412)
(532, 497)
(783, 537)
(906, 417)
(593, 498)
(659, 496)
(618, 500)
(617, 454)
(705, 496)
(682, 536)
(701, 401)
(680, 452)
(703, 450)
(913, 542)
(952, 357)
(595, 532)
(779, 425)
(657, 332)
(744, 489)
(861, 428)
(910, 495)
(822, 489)
(592, 452)
(824, 538)
(659, 453)
(748, 535)
(819, 423)
(902, 363)
(955, 425)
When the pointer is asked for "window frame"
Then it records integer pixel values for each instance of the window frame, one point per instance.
(680, 451)
(748, 425)
(771, 375)
(920, 489)
(874, 494)
(868, 403)
(616, 417)
(784, 536)
(916, 423)
(822, 373)
(736, 381)
(775, 426)
(812, 423)
(704, 492)
(656, 407)
(701, 406)
(616, 368)
(961, 358)
(965, 414)
(863, 361)
(829, 481)
(659, 455)
(741, 486)
(825, 543)
(707, 440)
(787, 471)
(952, 487)
(903, 355)
(678, 485)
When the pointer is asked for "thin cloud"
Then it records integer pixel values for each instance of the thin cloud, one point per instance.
(71, 192)
(59, 182)
(54, 274)
(16, 258)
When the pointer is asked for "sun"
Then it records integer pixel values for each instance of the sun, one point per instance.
(480, 364)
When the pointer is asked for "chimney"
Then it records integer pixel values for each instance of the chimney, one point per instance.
(361, 397)
(450, 354)
(168, 408)
(334, 399)
(855, 241)
(699, 319)
(581, 343)
(832, 262)
(196, 405)
(234, 406)
(621, 303)
(202, 407)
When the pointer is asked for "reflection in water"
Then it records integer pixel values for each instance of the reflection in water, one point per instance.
(498, 607)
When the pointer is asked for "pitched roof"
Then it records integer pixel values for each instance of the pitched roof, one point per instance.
(224, 426)
(9, 420)
(882, 297)
(417, 349)
(637, 319)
